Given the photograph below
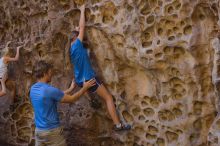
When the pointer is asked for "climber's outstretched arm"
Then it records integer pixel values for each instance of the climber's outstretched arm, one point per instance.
(8, 59)
(82, 23)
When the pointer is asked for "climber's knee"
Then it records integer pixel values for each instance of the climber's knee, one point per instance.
(109, 98)
(2, 93)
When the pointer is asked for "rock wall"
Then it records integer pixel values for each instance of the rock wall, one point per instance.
(158, 58)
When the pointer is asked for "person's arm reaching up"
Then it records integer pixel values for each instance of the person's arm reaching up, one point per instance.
(8, 59)
(82, 23)
(72, 98)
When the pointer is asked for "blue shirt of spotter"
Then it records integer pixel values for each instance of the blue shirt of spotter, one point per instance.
(82, 66)
(44, 99)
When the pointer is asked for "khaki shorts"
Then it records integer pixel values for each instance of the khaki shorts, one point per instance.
(53, 137)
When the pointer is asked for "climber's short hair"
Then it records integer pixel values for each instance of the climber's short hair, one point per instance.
(41, 68)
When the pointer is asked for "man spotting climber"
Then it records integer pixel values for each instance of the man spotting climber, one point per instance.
(83, 71)
(44, 99)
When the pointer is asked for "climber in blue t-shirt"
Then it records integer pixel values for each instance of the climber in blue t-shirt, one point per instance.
(83, 71)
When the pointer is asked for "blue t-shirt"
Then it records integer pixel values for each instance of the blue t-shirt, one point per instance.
(44, 99)
(82, 66)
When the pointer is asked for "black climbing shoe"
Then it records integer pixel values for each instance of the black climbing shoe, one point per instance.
(95, 103)
(122, 127)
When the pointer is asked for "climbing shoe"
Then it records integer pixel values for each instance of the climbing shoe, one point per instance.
(122, 127)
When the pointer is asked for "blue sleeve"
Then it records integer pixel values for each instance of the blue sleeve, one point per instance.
(54, 93)
(78, 43)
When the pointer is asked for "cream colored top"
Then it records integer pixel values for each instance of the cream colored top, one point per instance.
(3, 68)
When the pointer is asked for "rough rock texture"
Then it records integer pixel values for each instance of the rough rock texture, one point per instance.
(159, 58)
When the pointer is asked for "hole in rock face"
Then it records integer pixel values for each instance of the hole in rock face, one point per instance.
(122, 106)
(160, 142)
(129, 8)
(193, 137)
(150, 137)
(40, 53)
(178, 6)
(16, 31)
(107, 19)
(158, 42)
(138, 129)
(188, 30)
(95, 1)
(7, 25)
(171, 136)
(146, 44)
(13, 130)
(169, 24)
(175, 29)
(141, 118)
(27, 9)
(149, 112)
(22, 3)
(166, 115)
(6, 115)
(177, 112)
(182, 23)
(149, 51)
(198, 124)
(169, 32)
(158, 55)
(63, 2)
(136, 111)
(147, 35)
(159, 31)
(170, 9)
(152, 129)
(145, 10)
(179, 50)
(43, 1)
(144, 103)
(135, 144)
(23, 122)
(171, 38)
(153, 3)
(154, 101)
(150, 19)
(123, 95)
(15, 116)
(128, 117)
(15, 3)
(174, 16)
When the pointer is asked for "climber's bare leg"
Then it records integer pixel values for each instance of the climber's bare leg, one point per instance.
(102, 92)
(3, 91)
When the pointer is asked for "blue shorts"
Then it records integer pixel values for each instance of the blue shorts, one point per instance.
(93, 88)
